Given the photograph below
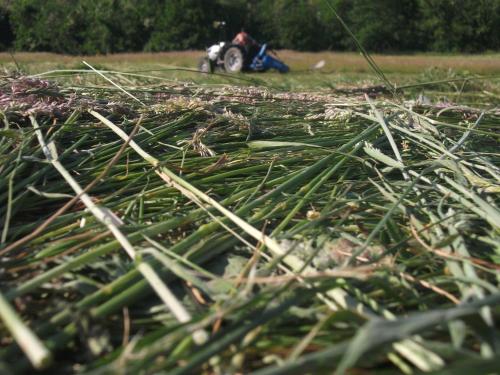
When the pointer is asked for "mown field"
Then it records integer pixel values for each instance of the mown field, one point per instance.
(343, 62)
(155, 220)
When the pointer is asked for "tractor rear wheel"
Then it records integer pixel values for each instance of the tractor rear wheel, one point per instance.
(233, 60)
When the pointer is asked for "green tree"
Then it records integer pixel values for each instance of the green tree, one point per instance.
(59, 26)
(384, 25)
(335, 36)
(238, 14)
(130, 23)
(103, 26)
(82, 26)
(461, 25)
(6, 35)
(293, 24)
(182, 24)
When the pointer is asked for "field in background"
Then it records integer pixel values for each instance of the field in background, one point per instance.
(341, 70)
(487, 64)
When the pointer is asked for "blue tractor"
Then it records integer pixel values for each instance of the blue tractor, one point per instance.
(234, 58)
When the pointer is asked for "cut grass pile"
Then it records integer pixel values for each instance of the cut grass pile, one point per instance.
(156, 227)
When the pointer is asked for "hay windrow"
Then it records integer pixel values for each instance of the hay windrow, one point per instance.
(380, 215)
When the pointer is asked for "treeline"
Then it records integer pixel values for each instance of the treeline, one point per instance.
(107, 26)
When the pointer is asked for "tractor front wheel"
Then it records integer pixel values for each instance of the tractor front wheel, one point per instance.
(205, 65)
(233, 60)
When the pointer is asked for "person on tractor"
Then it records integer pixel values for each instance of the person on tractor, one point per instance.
(244, 39)
(248, 44)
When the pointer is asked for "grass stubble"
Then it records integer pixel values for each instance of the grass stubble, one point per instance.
(302, 231)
